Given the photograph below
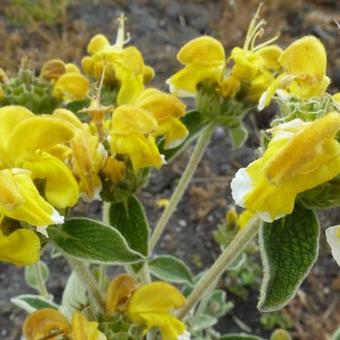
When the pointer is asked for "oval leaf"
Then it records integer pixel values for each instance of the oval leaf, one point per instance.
(31, 303)
(31, 276)
(169, 268)
(93, 241)
(128, 217)
(289, 248)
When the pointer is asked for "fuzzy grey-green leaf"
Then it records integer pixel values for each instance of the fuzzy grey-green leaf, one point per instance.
(31, 275)
(31, 303)
(170, 268)
(289, 247)
(93, 241)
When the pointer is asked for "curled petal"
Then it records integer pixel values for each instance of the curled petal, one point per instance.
(21, 247)
(20, 200)
(44, 323)
(61, 188)
(37, 133)
(119, 292)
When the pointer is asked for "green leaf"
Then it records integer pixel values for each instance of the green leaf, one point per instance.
(204, 322)
(240, 336)
(195, 122)
(30, 274)
(170, 268)
(326, 195)
(128, 217)
(217, 305)
(238, 135)
(31, 303)
(93, 241)
(74, 296)
(336, 335)
(289, 248)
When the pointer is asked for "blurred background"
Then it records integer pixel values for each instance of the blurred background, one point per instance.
(38, 30)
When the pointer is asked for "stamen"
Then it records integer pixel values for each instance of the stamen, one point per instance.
(121, 40)
(252, 27)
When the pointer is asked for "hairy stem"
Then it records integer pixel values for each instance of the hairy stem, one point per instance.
(182, 185)
(40, 280)
(234, 249)
(85, 275)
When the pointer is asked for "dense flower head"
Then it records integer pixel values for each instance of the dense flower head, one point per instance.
(300, 156)
(122, 67)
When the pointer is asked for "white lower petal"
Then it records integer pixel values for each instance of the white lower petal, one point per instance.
(184, 336)
(333, 239)
(241, 185)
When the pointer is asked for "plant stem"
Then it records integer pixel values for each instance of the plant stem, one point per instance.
(40, 280)
(85, 275)
(182, 185)
(144, 273)
(102, 267)
(229, 254)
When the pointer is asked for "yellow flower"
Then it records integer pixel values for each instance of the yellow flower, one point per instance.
(68, 83)
(122, 67)
(304, 63)
(24, 139)
(166, 109)
(87, 157)
(49, 323)
(151, 305)
(203, 59)
(299, 157)
(131, 135)
(119, 293)
(333, 239)
(255, 65)
(21, 247)
(114, 170)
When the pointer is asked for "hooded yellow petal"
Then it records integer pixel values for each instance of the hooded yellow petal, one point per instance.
(97, 44)
(305, 57)
(21, 247)
(37, 133)
(156, 297)
(43, 323)
(128, 119)
(85, 330)
(203, 49)
(71, 86)
(161, 105)
(152, 304)
(20, 199)
(10, 117)
(61, 188)
(72, 68)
